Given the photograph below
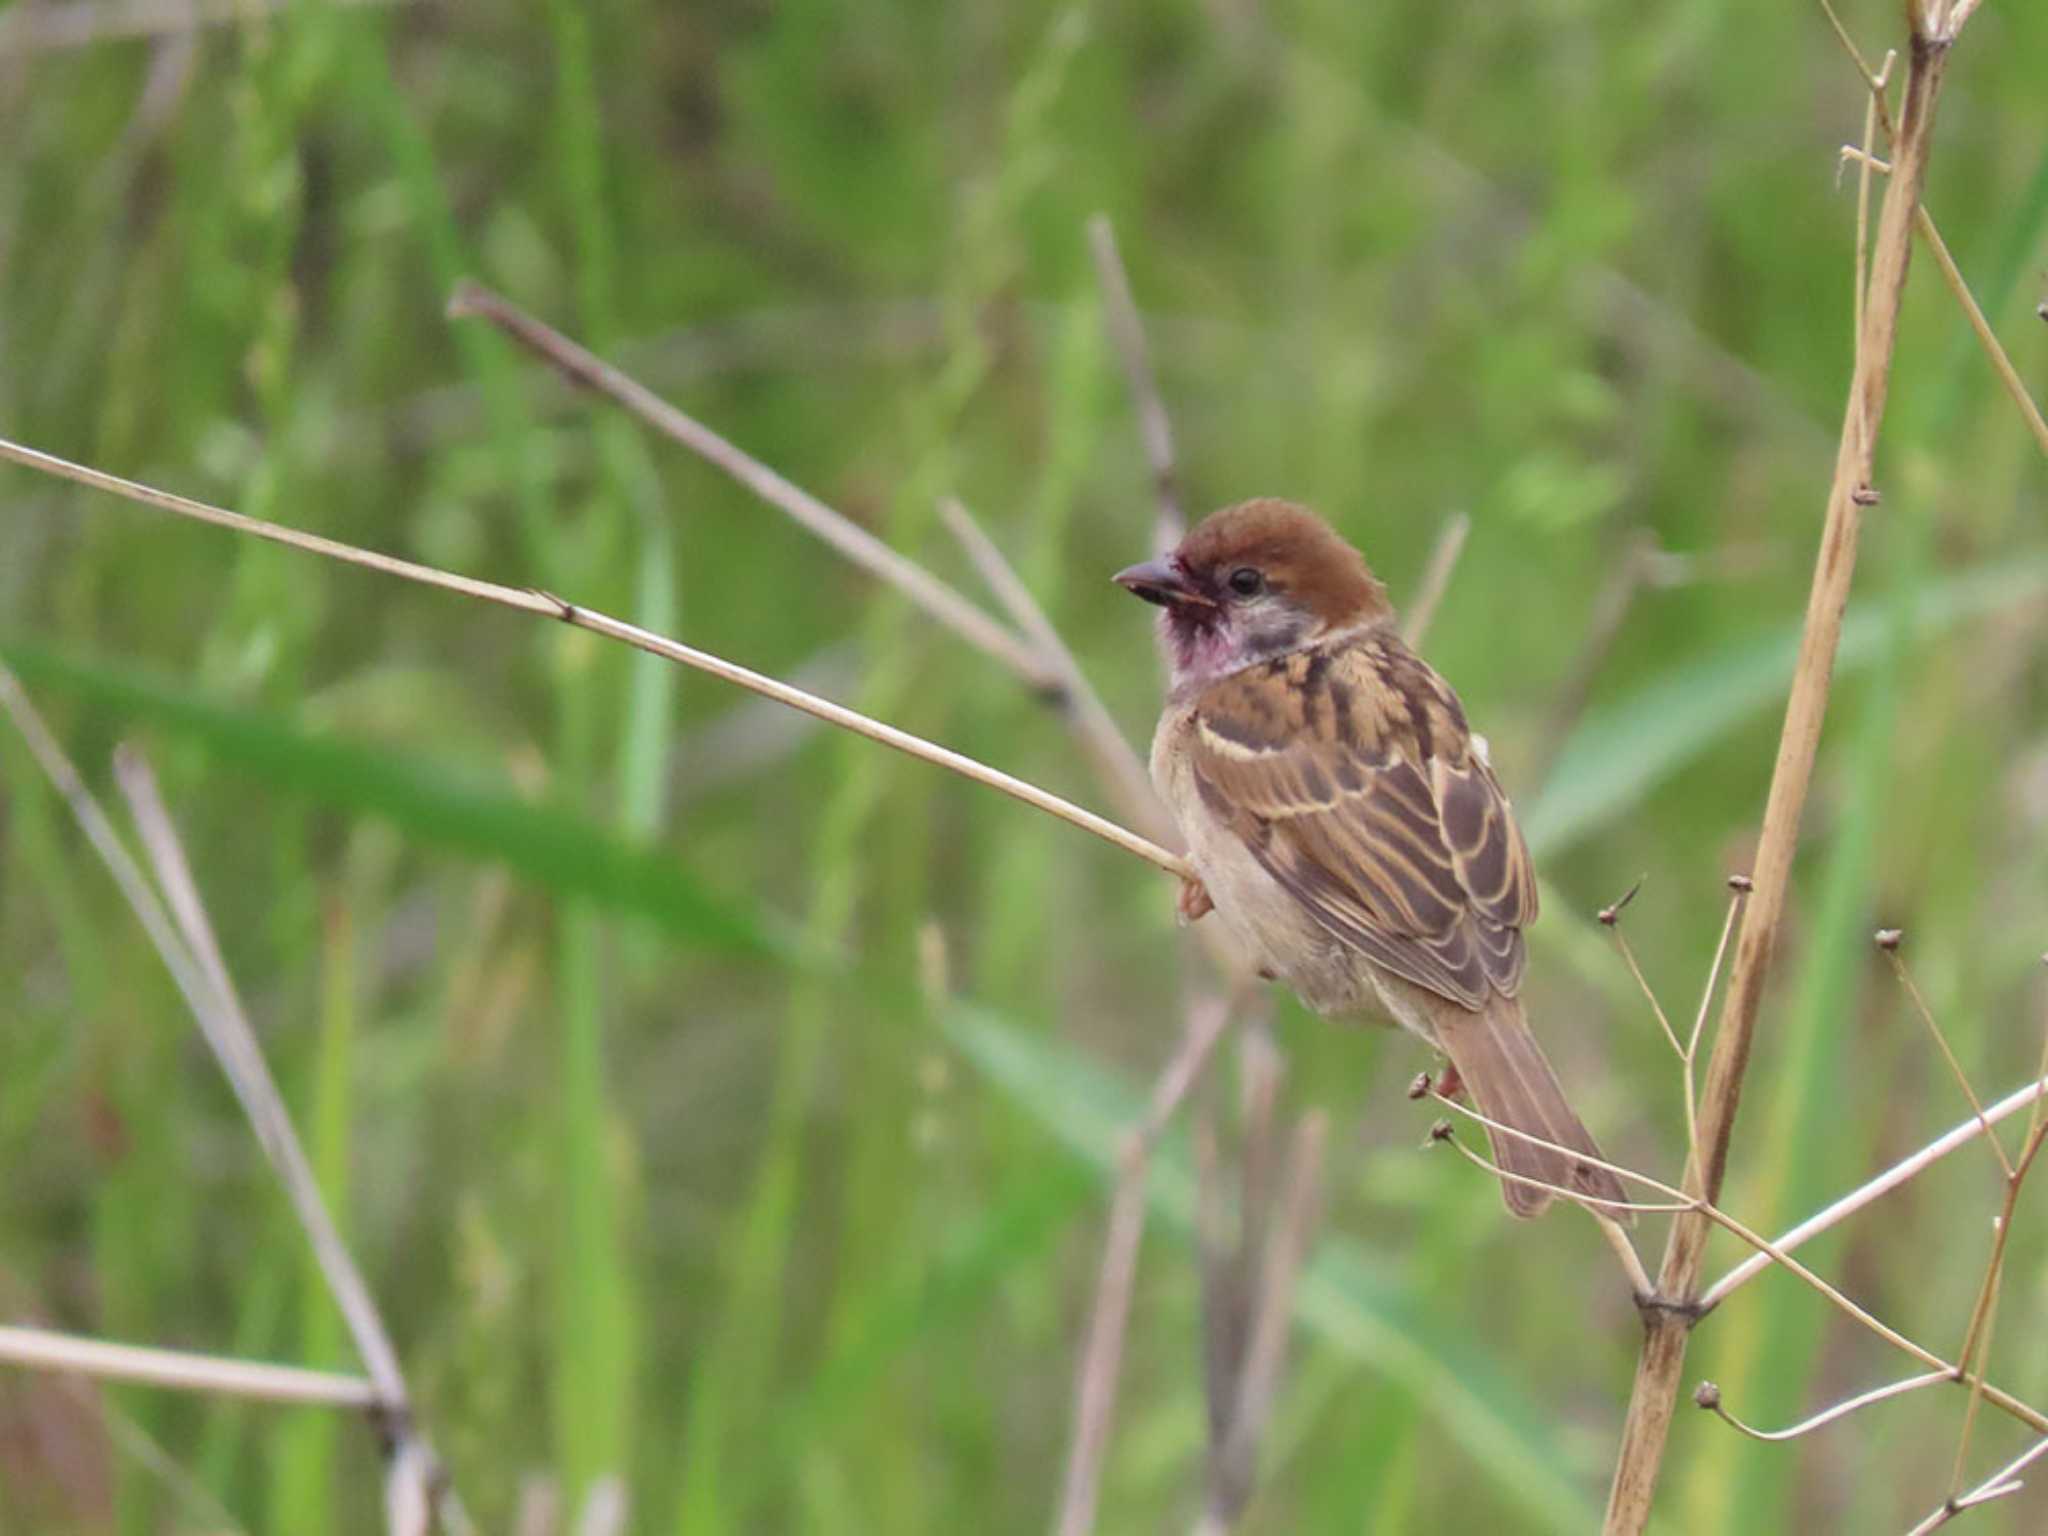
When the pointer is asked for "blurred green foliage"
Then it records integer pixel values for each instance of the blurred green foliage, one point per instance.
(596, 987)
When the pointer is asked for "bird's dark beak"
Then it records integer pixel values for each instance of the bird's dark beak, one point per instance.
(1157, 581)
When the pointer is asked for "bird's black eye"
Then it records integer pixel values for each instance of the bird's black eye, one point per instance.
(1246, 582)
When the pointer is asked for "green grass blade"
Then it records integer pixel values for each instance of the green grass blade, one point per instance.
(559, 850)
(1620, 753)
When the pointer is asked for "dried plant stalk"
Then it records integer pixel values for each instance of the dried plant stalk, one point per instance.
(1668, 1322)
(40, 1349)
(546, 605)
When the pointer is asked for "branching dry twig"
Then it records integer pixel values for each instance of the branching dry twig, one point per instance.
(1667, 1329)
(1683, 1204)
(1999, 1485)
(193, 960)
(1888, 945)
(1900, 1173)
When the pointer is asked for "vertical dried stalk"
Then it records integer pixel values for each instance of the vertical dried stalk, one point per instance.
(1668, 1320)
(1102, 1358)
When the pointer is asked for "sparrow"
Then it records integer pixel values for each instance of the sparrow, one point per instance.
(1344, 820)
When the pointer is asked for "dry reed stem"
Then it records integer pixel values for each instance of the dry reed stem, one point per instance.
(228, 1032)
(1666, 1329)
(581, 366)
(1127, 335)
(1116, 762)
(218, 1013)
(1095, 1382)
(181, 1371)
(1436, 578)
(1234, 1466)
(1902, 1172)
(546, 605)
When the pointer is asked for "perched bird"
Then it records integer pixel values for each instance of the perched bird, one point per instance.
(1343, 818)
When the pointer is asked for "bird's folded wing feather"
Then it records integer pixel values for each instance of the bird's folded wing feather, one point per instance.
(1350, 774)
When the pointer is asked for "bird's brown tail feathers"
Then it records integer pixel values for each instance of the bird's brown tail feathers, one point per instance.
(1511, 1081)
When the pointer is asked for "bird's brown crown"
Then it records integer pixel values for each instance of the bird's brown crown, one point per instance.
(1296, 553)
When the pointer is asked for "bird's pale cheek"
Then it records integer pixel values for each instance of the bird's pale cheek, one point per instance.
(1275, 628)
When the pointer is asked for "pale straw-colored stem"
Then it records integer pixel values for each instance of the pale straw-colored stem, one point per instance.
(1709, 1398)
(1095, 1382)
(584, 367)
(1660, 1368)
(1116, 761)
(41, 1350)
(545, 605)
(1900, 1173)
(1127, 335)
(1436, 578)
(1684, 1204)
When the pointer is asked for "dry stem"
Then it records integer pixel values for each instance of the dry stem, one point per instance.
(1902, 1172)
(1692, 1205)
(581, 366)
(1659, 1370)
(546, 605)
(1234, 1465)
(192, 960)
(1116, 762)
(1436, 577)
(1102, 1357)
(40, 1349)
(1709, 1397)
(2001, 1484)
(1127, 334)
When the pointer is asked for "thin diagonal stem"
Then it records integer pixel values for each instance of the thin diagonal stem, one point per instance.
(1948, 1055)
(1685, 1204)
(1436, 577)
(1127, 334)
(2001, 1484)
(227, 1030)
(1102, 1355)
(583, 367)
(1900, 1173)
(181, 1371)
(546, 605)
(1994, 350)
(1116, 762)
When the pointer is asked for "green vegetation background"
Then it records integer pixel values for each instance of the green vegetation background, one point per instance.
(595, 986)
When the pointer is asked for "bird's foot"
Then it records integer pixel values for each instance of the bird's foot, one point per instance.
(1194, 903)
